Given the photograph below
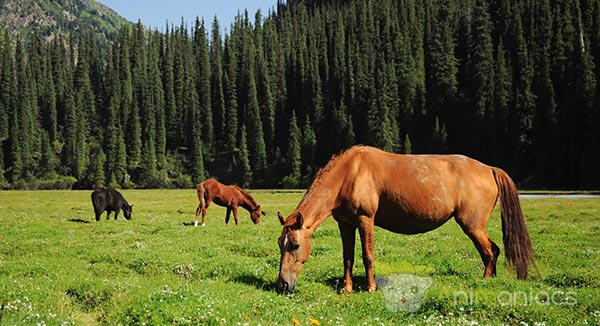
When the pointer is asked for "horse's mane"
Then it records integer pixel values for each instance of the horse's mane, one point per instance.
(322, 173)
(246, 194)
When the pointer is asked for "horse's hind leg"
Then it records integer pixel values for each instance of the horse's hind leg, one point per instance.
(201, 210)
(198, 210)
(487, 249)
(206, 204)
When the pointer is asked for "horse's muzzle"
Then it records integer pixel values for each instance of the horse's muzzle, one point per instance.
(284, 287)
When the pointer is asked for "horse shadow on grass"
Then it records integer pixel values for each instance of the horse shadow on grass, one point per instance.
(259, 283)
(337, 283)
(78, 220)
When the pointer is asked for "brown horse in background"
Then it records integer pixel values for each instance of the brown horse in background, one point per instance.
(231, 197)
(366, 187)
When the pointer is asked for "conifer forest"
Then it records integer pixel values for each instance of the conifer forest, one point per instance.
(265, 102)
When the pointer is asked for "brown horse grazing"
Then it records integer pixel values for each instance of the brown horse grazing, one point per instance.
(366, 187)
(231, 197)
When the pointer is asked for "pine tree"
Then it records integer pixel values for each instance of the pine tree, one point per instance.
(157, 99)
(293, 157)
(500, 108)
(8, 93)
(134, 44)
(189, 102)
(85, 112)
(152, 114)
(26, 108)
(116, 156)
(49, 161)
(167, 63)
(98, 175)
(128, 113)
(480, 80)
(407, 147)
(545, 124)
(439, 138)
(71, 152)
(244, 166)
(308, 143)
(264, 93)
(523, 109)
(441, 65)
(591, 156)
(256, 141)
(231, 100)
(203, 78)
(217, 96)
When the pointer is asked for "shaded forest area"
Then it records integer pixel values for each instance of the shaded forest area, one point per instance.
(511, 83)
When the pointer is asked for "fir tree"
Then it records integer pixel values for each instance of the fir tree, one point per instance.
(308, 143)
(203, 78)
(216, 83)
(293, 157)
(244, 166)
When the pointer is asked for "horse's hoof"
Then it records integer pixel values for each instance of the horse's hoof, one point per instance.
(203, 224)
(346, 290)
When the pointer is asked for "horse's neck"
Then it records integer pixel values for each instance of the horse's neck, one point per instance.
(248, 203)
(319, 202)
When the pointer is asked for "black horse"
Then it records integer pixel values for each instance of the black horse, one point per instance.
(110, 200)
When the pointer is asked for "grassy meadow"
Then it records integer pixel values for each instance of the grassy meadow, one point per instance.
(58, 266)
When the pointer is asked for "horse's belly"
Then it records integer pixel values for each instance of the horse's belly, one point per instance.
(401, 220)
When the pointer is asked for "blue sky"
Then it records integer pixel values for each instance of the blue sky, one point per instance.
(155, 13)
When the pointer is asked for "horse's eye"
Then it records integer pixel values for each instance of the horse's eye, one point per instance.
(293, 246)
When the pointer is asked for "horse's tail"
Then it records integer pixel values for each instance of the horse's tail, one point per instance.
(517, 245)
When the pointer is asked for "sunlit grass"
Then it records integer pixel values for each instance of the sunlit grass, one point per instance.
(59, 266)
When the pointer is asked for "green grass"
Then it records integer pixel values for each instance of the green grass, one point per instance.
(59, 266)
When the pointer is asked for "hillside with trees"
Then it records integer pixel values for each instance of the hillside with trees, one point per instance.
(511, 83)
(49, 18)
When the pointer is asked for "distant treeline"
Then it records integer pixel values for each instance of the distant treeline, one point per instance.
(511, 83)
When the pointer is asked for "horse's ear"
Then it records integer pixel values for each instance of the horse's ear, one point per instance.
(299, 221)
(261, 211)
(281, 218)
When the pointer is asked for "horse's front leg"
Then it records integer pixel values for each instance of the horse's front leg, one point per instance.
(348, 233)
(117, 212)
(366, 231)
(228, 215)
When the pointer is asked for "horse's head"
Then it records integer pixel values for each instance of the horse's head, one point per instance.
(294, 244)
(255, 215)
(127, 209)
